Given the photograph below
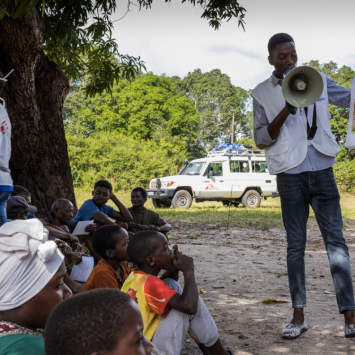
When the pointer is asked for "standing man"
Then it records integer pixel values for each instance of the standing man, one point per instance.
(303, 164)
(5, 155)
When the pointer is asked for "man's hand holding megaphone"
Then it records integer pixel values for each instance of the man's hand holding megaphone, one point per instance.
(301, 87)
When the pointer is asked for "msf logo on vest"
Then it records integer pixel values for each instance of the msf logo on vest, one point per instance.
(4, 127)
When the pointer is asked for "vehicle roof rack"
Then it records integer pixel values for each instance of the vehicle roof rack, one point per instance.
(243, 150)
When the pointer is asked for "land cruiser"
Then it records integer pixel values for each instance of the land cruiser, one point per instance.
(229, 176)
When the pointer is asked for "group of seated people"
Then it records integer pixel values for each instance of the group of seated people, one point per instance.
(131, 304)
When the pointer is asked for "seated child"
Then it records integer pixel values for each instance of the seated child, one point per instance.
(110, 242)
(168, 312)
(114, 327)
(97, 209)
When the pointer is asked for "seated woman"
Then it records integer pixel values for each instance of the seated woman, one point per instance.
(31, 284)
(144, 219)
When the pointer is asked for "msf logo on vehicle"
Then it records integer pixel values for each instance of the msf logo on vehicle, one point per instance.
(211, 187)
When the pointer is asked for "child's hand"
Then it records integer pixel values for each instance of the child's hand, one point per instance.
(176, 250)
(183, 262)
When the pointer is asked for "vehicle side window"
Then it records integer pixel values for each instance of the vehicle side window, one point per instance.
(239, 166)
(259, 167)
(216, 168)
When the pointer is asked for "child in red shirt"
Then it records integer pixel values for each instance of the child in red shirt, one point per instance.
(168, 312)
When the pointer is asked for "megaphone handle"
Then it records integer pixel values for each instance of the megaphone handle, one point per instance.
(291, 108)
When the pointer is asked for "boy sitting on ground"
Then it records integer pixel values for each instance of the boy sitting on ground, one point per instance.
(144, 219)
(168, 312)
(110, 242)
(99, 322)
(101, 213)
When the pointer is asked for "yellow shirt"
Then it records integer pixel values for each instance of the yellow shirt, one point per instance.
(152, 296)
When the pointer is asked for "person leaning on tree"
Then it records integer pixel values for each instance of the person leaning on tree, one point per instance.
(144, 219)
(101, 213)
(303, 165)
(5, 155)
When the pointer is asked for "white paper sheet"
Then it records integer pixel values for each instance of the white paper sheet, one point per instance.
(350, 139)
(80, 227)
(82, 271)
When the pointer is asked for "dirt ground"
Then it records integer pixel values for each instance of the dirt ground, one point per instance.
(237, 269)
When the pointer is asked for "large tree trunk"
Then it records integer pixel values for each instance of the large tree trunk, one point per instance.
(34, 98)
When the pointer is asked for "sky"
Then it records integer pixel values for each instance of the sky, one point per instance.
(172, 38)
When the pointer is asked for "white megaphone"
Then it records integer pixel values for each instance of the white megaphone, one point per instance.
(302, 86)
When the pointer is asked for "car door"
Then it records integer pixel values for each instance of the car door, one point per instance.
(239, 177)
(213, 187)
(262, 177)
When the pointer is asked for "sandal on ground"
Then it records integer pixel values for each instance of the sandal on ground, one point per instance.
(230, 352)
(294, 330)
(349, 330)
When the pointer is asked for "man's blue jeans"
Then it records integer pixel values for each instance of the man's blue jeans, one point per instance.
(4, 196)
(318, 189)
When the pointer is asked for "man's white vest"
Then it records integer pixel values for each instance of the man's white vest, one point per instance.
(5, 147)
(290, 148)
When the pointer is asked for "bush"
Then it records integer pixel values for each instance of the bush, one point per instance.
(123, 160)
(344, 172)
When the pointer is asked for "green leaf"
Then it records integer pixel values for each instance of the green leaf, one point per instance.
(33, 4)
(21, 8)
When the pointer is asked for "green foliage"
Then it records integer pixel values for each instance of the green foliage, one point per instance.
(124, 160)
(83, 29)
(216, 100)
(214, 10)
(146, 108)
(345, 175)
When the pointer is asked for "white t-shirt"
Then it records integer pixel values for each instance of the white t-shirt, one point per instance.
(5, 147)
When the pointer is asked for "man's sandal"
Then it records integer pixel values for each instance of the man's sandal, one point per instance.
(294, 330)
(349, 330)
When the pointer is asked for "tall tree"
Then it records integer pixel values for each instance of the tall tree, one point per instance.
(144, 108)
(216, 100)
(45, 41)
(340, 116)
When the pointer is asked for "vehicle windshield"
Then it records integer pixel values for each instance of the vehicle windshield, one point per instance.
(194, 168)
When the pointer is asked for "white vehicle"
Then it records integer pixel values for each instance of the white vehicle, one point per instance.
(222, 176)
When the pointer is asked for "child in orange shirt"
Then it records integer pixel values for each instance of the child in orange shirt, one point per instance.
(104, 321)
(168, 312)
(110, 242)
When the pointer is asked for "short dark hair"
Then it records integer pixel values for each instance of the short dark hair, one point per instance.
(105, 238)
(141, 245)
(20, 190)
(278, 39)
(103, 183)
(88, 322)
(141, 190)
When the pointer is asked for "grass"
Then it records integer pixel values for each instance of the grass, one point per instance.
(268, 215)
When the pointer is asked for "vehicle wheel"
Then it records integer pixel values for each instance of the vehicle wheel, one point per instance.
(251, 199)
(182, 199)
(158, 203)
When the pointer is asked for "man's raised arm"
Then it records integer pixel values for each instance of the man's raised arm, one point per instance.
(123, 214)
